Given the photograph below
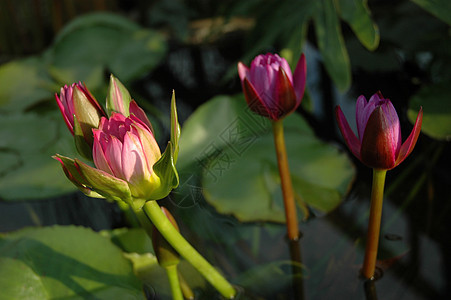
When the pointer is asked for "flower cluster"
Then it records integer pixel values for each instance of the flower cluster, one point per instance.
(128, 164)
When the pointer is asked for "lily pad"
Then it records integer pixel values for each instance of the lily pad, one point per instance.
(235, 152)
(64, 262)
(22, 84)
(30, 141)
(98, 43)
(137, 247)
(436, 110)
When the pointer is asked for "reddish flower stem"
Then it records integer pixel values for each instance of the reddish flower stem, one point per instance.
(285, 178)
(374, 223)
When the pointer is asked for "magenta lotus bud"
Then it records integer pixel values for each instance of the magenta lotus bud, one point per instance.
(379, 143)
(81, 113)
(270, 88)
(125, 148)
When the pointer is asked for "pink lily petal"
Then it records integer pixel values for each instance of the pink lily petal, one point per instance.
(98, 149)
(392, 126)
(243, 71)
(113, 155)
(284, 93)
(376, 150)
(283, 65)
(254, 101)
(410, 142)
(134, 167)
(351, 140)
(149, 145)
(139, 113)
(299, 77)
(360, 118)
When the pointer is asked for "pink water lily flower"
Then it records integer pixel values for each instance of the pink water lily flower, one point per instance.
(270, 88)
(125, 148)
(379, 142)
(76, 100)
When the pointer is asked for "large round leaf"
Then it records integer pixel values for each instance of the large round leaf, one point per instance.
(436, 110)
(101, 42)
(22, 84)
(235, 150)
(64, 263)
(27, 142)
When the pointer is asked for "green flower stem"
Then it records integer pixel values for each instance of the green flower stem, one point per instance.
(285, 178)
(173, 277)
(374, 225)
(176, 240)
(143, 220)
(186, 290)
(128, 213)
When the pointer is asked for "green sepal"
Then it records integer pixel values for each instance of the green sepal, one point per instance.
(175, 128)
(103, 183)
(118, 98)
(88, 115)
(83, 148)
(72, 173)
(165, 169)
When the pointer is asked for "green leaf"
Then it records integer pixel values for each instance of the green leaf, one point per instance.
(235, 151)
(439, 8)
(33, 139)
(93, 44)
(331, 44)
(436, 110)
(130, 240)
(357, 14)
(64, 263)
(22, 84)
(138, 249)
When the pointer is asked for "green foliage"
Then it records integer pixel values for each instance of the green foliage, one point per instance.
(87, 49)
(284, 25)
(436, 110)
(27, 143)
(59, 262)
(439, 8)
(97, 43)
(331, 44)
(23, 83)
(235, 152)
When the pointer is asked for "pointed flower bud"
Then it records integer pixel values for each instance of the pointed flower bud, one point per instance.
(81, 113)
(128, 163)
(379, 143)
(118, 98)
(165, 253)
(270, 88)
(124, 147)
